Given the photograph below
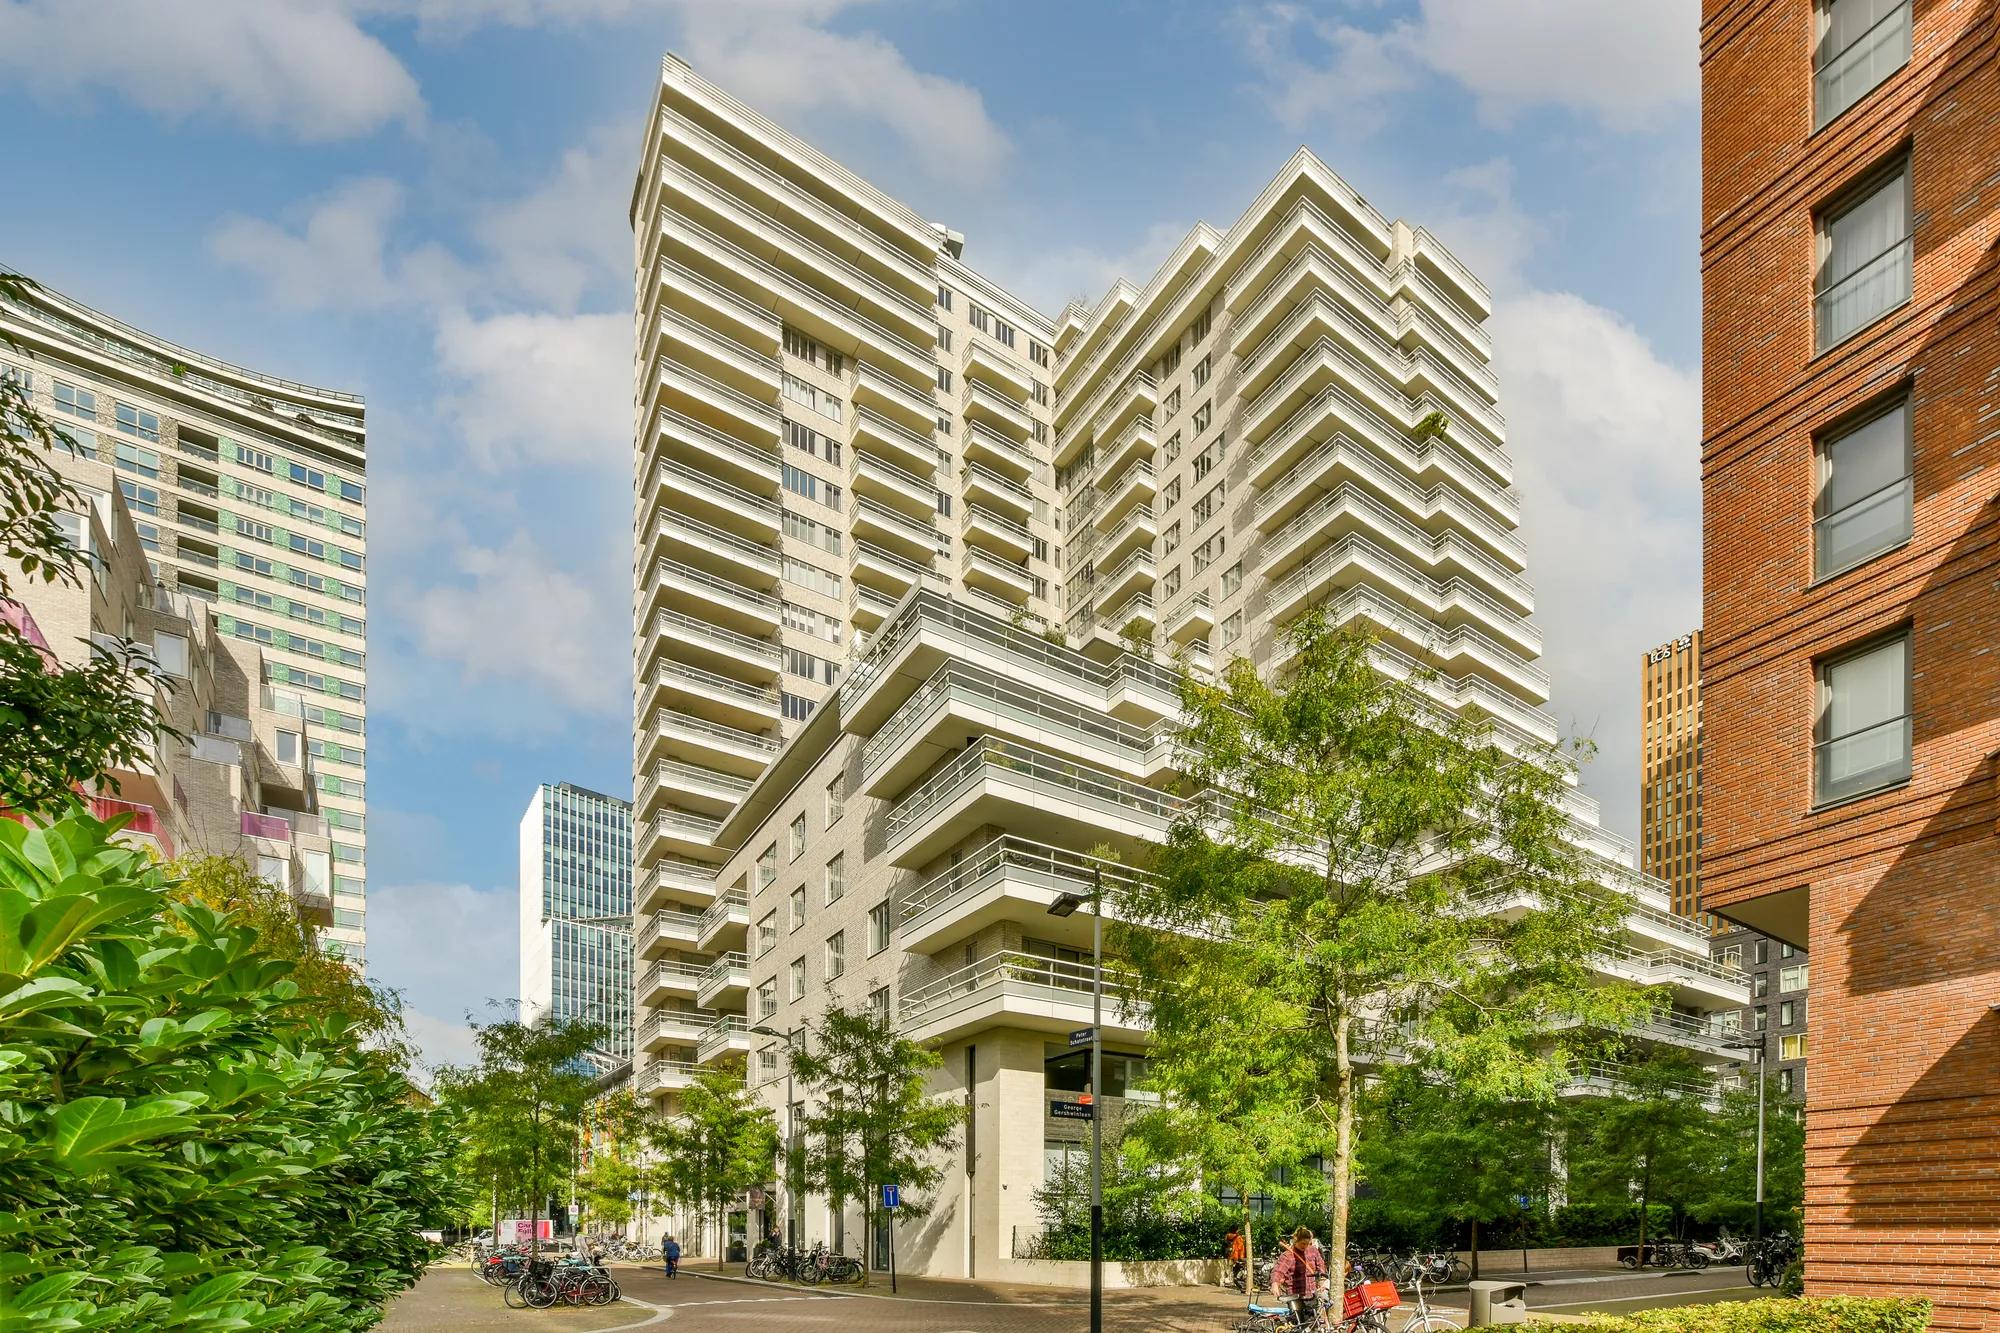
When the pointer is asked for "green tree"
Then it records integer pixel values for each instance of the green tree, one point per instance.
(721, 1145)
(1354, 867)
(618, 1127)
(522, 1106)
(1433, 1152)
(183, 1142)
(870, 1119)
(1654, 1139)
(59, 726)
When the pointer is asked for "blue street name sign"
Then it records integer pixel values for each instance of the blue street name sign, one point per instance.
(1081, 1036)
(892, 1196)
(1070, 1110)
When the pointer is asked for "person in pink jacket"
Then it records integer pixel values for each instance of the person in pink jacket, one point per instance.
(1297, 1278)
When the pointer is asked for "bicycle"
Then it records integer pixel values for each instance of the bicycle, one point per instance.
(1424, 1319)
(1766, 1260)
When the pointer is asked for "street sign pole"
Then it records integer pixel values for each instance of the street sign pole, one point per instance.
(892, 1199)
(1096, 1092)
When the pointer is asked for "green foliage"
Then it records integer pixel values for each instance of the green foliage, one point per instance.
(183, 1143)
(519, 1108)
(1333, 883)
(869, 1118)
(1657, 1141)
(722, 1144)
(617, 1128)
(1828, 1314)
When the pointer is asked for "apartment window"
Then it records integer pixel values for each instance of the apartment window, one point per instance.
(1792, 1046)
(1199, 329)
(1170, 540)
(1170, 362)
(1786, 1083)
(1170, 583)
(836, 798)
(1861, 43)
(1202, 416)
(797, 708)
(133, 421)
(1208, 552)
(1863, 731)
(836, 954)
(943, 338)
(798, 979)
(1864, 258)
(944, 425)
(1208, 505)
(1763, 952)
(1232, 578)
(1786, 950)
(145, 462)
(1864, 502)
(767, 1064)
(77, 402)
(977, 315)
(836, 877)
(1232, 628)
(944, 379)
(1038, 354)
(944, 298)
(797, 902)
(1732, 956)
(171, 652)
(767, 998)
(1200, 375)
(288, 746)
(1041, 393)
(1172, 404)
(1787, 1013)
(1171, 495)
(1760, 1018)
(83, 443)
(1760, 985)
(767, 932)
(878, 1005)
(878, 927)
(767, 867)
(1171, 450)
(1004, 332)
(1792, 978)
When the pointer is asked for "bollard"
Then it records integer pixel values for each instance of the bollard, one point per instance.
(1497, 1303)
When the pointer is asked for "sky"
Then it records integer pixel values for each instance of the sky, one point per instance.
(425, 201)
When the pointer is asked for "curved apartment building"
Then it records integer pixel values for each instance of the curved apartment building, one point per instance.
(248, 495)
(911, 560)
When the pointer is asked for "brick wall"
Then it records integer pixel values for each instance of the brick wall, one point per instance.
(1903, 886)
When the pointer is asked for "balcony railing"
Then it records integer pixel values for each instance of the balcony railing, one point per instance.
(686, 924)
(722, 909)
(967, 683)
(1846, 307)
(667, 719)
(674, 621)
(1031, 976)
(1051, 774)
(692, 531)
(718, 972)
(255, 825)
(1054, 867)
(712, 680)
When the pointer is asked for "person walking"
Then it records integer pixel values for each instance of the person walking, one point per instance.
(670, 1255)
(1237, 1252)
(1297, 1278)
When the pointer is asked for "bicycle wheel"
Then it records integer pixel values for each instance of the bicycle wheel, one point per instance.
(513, 1296)
(540, 1292)
(1429, 1323)
(1460, 1272)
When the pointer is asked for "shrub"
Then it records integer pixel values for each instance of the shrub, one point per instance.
(1830, 1314)
(180, 1145)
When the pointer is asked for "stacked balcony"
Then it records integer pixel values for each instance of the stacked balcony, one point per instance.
(1005, 581)
(996, 491)
(915, 539)
(670, 882)
(1190, 621)
(992, 408)
(664, 929)
(668, 979)
(912, 494)
(727, 1037)
(904, 446)
(724, 924)
(1012, 989)
(679, 1025)
(724, 983)
(999, 450)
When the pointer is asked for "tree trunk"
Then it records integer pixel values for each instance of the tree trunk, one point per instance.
(1343, 1144)
(1645, 1196)
(1249, 1245)
(1475, 1249)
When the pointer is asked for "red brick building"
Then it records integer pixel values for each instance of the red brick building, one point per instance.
(1851, 616)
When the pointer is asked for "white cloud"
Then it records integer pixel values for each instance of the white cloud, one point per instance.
(539, 388)
(1606, 437)
(568, 235)
(1622, 64)
(449, 948)
(299, 68)
(336, 260)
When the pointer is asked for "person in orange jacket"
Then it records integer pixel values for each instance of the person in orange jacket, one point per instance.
(1238, 1253)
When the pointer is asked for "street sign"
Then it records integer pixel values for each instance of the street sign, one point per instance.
(1070, 1110)
(892, 1196)
(1081, 1036)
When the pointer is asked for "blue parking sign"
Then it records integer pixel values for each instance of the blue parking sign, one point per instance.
(892, 1196)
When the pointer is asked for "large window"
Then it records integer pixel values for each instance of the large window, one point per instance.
(1864, 258)
(1860, 43)
(1864, 504)
(1792, 1046)
(1863, 734)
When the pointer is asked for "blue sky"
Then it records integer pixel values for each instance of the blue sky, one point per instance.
(425, 200)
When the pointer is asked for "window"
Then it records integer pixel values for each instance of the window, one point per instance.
(1170, 540)
(797, 973)
(1171, 495)
(1760, 1017)
(767, 933)
(1208, 552)
(1208, 505)
(836, 798)
(1004, 332)
(1861, 43)
(1732, 956)
(767, 1064)
(1864, 502)
(1864, 258)
(796, 707)
(1200, 375)
(1170, 362)
(836, 877)
(977, 315)
(878, 1005)
(767, 998)
(798, 907)
(798, 841)
(1202, 416)
(1786, 950)
(171, 652)
(1863, 731)
(1763, 953)
(1171, 450)
(1232, 578)
(77, 402)
(1232, 628)
(878, 927)
(82, 442)
(1760, 985)
(1038, 354)
(1199, 329)
(1786, 1083)
(145, 462)
(1792, 1046)
(836, 954)
(1792, 978)
(944, 298)
(944, 379)
(133, 421)
(767, 867)
(1172, 404)
(288, 747)
(1170, 583)
(1787, 1013)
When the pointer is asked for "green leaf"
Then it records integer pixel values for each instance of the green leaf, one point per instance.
(90, 1126)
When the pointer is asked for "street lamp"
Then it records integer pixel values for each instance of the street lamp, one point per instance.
(1065, 905)
(1757, 1222)
(793, 1039)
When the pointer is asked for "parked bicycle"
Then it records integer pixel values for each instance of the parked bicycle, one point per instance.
(1765, 1261)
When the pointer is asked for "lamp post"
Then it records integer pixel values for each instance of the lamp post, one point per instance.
(1757, 1046)
(793, 1038)
(1065, 905)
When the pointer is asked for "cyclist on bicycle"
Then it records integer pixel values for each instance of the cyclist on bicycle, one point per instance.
(1297, 1278)
(670, 1255)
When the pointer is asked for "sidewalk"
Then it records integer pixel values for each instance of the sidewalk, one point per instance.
(944, 1290)
(450, 1296)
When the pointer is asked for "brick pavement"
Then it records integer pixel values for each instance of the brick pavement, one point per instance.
(451, 1297)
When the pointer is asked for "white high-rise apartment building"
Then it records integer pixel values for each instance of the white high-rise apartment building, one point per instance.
(249, 494)
(912, 560)
(576, 912)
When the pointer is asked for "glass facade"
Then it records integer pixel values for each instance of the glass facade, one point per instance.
(576, 909)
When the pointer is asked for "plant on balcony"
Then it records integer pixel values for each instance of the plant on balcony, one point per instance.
(870, 1119)
(59, 727)
(1325, 897)
(721, 1145)
(182, 1143)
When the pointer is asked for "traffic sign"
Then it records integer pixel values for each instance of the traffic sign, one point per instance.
(892, 1196)
(1081, 1036)
(1070, 1110)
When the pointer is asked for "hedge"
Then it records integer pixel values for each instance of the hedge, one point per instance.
(1827, 1314)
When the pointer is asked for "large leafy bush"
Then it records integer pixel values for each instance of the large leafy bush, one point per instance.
(183, 1144)
(1830, 1314)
